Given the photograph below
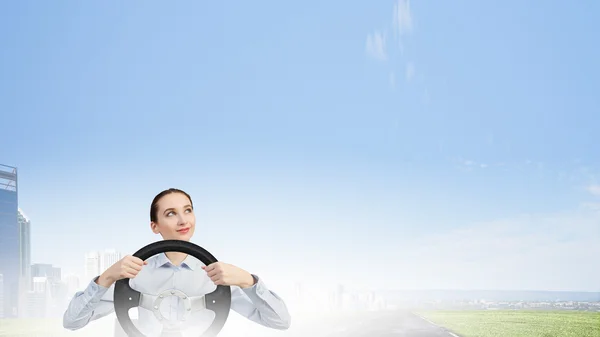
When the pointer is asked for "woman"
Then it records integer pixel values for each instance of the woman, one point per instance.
(172, 216)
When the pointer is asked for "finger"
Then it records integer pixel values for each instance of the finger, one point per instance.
(129, 275)
(210, 267)
(134, 266)
(218, 278)
(213, 273)
(138, 261)
(130, 270)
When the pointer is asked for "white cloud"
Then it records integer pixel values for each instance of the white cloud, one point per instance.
(410, 71)
(593, 206)
(594, 189)
(402, 25)
(426, 97)
(403, 22)
(534, 166)
(468, 165)
(375, 45)
(392, 79)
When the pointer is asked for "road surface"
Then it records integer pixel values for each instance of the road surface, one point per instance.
(376, 324)
(368, 324)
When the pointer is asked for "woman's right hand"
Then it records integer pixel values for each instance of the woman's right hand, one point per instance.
(127, 267)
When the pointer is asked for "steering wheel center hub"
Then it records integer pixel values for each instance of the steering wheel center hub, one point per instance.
(187, 304)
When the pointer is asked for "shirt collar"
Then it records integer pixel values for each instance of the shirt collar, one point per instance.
(189, 262)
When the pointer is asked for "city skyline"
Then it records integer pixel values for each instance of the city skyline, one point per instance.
(47, 290)
(94, 261)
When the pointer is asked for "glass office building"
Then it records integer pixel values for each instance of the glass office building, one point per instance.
(10, 264)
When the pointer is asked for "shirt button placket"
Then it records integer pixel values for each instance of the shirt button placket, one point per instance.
(175, 302)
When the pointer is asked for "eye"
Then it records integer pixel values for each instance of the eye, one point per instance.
(170, 213)
(189, 210)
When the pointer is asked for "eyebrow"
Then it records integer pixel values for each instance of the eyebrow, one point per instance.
(172, 209)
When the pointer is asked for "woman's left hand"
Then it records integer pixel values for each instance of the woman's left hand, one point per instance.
(226, 274)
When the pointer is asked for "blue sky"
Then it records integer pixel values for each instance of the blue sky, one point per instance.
(436, 142)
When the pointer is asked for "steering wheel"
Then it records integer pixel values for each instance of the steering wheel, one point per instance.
(125, 297)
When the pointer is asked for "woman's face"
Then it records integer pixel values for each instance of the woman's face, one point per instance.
(175, 218)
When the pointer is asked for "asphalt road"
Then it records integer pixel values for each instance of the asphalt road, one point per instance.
(378, 324)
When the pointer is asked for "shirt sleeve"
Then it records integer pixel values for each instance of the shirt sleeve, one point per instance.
(90, 304)
(261, 305)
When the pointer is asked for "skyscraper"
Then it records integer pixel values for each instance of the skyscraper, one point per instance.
(108, 258)
(92, 265)
(53, 274)
(10, 266)
(72, 282)
(96, 262)
(25, 249)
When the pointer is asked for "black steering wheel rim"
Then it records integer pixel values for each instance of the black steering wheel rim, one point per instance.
(125, 298)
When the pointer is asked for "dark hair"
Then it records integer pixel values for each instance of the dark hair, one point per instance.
(154, 206)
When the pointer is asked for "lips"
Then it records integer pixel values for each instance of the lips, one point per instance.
(183, 231)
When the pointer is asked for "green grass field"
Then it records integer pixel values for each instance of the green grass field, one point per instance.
(517, 323)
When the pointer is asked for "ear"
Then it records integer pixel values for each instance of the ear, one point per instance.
(154, 227)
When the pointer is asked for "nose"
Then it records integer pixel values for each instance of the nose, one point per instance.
(181, 220)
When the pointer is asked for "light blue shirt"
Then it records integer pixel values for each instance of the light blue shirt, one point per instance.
(257, 303)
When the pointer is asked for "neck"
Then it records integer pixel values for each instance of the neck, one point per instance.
(176, 257)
